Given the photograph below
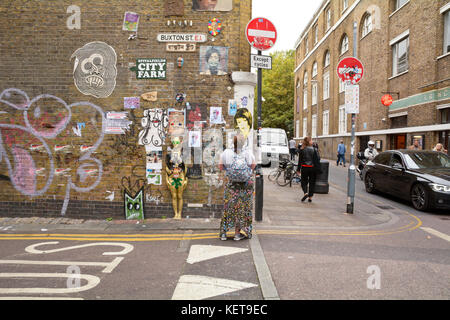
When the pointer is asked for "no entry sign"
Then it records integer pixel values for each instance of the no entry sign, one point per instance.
(261, 34)
(350, 69)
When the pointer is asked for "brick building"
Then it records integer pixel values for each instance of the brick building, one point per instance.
(404, 46)
(81, 83)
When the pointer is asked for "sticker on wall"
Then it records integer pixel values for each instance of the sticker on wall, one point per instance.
(154, 178)
(176, 122)
(150, 96)
(134, 206)
(150, 68)
(130, 21)
(117, 122)
(94, 70)
(215, 115)
(154, 159)
(180, 62)
(232, 107)
(179, 97)
(195, 139)
(213, 60)
(154, 124)
(214, 26)
(131, 102)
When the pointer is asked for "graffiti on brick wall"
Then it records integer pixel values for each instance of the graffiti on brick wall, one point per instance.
(38, 128)
(95, 71)
(154, 124)
(74, 21)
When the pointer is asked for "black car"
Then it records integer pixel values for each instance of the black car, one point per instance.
(423, 177)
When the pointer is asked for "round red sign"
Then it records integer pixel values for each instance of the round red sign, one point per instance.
(350, 69)
(386, 100)
(261, 34)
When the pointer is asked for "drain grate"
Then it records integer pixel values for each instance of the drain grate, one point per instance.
(385, 207)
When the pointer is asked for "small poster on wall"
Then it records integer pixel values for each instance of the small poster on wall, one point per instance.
(131, 102)
(213, 60)
(195, 138)
(154, 159)
(176, 122)
(154, 177)
(212, 5)
(232, 107)
(130, 21)
(215, 115)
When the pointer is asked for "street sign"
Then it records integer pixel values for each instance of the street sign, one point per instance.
(352, 98)
(350, 70)
(263, 62)
(386, 100)
(261, 34)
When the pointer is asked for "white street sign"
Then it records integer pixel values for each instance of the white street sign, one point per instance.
(352, 98)
(263, 62)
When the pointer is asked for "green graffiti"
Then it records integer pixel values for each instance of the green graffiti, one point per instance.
(134, 206)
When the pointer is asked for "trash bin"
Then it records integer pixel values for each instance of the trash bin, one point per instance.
(322, 185)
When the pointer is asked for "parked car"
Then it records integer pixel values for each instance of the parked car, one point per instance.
(274, 145)
(422, 177)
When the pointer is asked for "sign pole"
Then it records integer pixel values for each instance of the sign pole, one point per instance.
(351, 169)
(259, 183)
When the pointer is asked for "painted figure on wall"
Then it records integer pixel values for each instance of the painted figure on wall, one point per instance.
(134, 206)
(243, 122)
(154, 122)
(176, 122)
(176, 175)
(94, 70)
(212, 5)
(213, 60)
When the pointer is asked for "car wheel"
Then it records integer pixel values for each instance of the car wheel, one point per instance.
(369, 183)
(419, 197)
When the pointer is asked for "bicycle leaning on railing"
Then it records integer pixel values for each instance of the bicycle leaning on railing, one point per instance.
(274, 174)
(289, 175)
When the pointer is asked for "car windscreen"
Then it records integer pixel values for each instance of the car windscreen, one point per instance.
(420, 160)
(273, 138)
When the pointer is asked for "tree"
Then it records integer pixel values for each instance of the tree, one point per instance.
(278, 93)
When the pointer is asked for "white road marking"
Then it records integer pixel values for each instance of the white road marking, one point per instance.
(193, 287)
(126, 247)
(436, 233)
(109, 266)
(203, 252)
(92, 282)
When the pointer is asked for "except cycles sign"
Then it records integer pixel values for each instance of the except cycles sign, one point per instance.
(350, 70)
(261, 34)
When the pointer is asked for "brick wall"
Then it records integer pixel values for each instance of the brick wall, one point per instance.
(36, 50)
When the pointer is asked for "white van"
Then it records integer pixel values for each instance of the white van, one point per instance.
(274, 145)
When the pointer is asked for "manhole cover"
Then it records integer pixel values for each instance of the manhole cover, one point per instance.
(385, 207)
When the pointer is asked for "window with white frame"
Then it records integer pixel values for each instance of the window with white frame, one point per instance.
(327, 59)
(328, 19)
(305, 91)
(446, 14)
(341, 86)
(316, 34)
(326, 85)
(298, 95)
(314, 69)
(344, 45)
(297, 128)
(344, 4)
(314, 93)
(400, 52)
(314, 126)
(325, 122)
(400, 3)
(367, 25)
(306, 46)
(305, 123)
(342, 120)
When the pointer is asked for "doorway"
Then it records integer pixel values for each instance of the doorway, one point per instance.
(399, 141)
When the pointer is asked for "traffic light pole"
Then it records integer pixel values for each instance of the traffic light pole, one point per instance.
(259, 183)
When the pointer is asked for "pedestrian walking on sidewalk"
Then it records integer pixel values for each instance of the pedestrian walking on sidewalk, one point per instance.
(239, 164)
(309, 166)
(292, 148)
(341, 153)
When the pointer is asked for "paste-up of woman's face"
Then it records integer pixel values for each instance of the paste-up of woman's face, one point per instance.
(213, 60)
(206, 4)
(243, 126)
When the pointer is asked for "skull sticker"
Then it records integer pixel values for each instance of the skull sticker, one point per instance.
(94, 71)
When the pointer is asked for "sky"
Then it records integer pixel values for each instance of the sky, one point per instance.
(290, 17)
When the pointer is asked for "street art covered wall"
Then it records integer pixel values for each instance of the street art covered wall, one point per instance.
(97, 98)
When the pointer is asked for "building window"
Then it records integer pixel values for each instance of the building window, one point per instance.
(344, 45)
(342, 120)
(297, 128)
(399, 122)
(341, 86)
(327, 59)
(314, 69)
(326, 85)
(314, 126)
(447, 31)
(344, 5)
(328, 19)
(400, 56)
(445, 115)
(314, 93)
(316, 34)
(325, 122)
(367, 25)
(400, 3)
(298, 96)
(305, 91)
(305, 131)
(306, 46)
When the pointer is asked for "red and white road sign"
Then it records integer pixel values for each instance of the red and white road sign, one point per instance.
(261, 34)
(350, 70)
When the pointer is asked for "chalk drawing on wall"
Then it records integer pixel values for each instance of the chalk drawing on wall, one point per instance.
(154, 124)
(95, 71)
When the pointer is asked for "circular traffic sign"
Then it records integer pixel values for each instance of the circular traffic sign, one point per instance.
(386, 100)
(350, 69)
(261, 33)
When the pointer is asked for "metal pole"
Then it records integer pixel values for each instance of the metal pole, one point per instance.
(351, 169)
(259, 183)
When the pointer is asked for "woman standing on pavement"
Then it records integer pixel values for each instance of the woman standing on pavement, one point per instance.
(238, 204)
(308, 164)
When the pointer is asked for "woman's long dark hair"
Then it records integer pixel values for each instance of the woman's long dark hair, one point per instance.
(306, 142)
